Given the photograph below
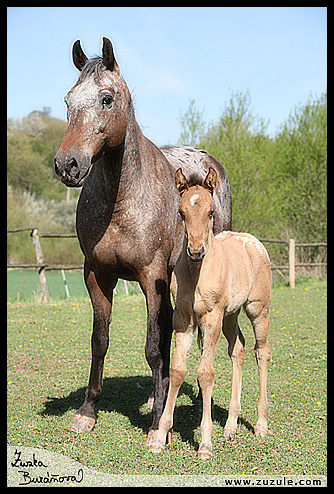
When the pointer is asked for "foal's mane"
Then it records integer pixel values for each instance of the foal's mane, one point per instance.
(195, 180)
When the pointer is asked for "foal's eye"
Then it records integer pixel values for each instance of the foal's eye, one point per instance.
(211, 214)
(107, 101)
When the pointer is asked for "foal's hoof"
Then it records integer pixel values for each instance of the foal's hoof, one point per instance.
(150, 436)
(261, 431)
(156, 447)
(229, 432)
(81, 423)
(150, 401)
(204, 454)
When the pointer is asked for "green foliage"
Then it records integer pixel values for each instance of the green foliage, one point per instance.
(31, 145)
(192, 125)
(301, 173)
(278, 184)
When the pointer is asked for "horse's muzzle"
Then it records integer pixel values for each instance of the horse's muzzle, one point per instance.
(196, 256)
(72, 169)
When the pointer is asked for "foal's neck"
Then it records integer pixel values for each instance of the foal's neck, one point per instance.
(195, 267)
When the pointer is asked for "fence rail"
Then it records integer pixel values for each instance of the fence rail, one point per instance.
(42, 266)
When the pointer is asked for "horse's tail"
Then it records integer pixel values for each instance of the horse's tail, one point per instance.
(200, 339)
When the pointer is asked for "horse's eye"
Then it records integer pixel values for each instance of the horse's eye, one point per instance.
(107, 101)
(211, 214)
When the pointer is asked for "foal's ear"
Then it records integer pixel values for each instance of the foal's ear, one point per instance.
(181, 182)
(108, 55)
(210, 181)
(79, 58)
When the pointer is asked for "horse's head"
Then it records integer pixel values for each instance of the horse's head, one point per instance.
(196, 211)
(97, 114)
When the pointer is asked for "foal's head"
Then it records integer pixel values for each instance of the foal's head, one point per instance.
(97, 114)
(196, 211)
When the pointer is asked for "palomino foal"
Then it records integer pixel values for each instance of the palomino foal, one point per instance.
(213, 279)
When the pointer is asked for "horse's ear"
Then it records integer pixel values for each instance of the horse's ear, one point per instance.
(210, 181)
(181, 182)
(108, 55)
(79, 58)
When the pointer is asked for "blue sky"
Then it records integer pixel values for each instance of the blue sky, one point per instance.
(170, 55)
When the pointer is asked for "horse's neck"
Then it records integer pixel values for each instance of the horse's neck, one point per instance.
(121, 168)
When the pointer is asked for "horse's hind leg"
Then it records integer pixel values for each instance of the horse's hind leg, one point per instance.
(236, 351)
(154, 283)
(259, 317)
(101, 297)
(166, 336)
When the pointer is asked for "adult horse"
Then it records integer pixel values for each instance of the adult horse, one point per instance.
(127, 221)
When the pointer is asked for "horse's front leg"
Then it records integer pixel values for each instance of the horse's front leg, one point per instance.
(100, 292)
(155, 285)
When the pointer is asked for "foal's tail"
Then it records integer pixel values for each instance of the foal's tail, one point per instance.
(200, 338)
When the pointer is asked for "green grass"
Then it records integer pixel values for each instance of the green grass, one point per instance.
(25, 285)
(48, 368)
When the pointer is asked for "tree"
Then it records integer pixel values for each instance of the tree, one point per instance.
(192, 126)
(301, 170)
(278, 185)
(240, 143)
(32, 143)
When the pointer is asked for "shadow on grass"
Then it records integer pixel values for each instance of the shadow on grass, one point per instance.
(126, 395)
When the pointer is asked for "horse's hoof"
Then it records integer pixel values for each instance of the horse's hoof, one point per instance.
(81, 423)
(156, 447)
(150, 436)
(204, 454)
(261, 431)
(228, 434)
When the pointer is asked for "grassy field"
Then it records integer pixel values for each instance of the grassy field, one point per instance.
(25, 285)
(48, 368)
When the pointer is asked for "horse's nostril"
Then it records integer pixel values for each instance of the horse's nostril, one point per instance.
(58, 168)
(72, 168)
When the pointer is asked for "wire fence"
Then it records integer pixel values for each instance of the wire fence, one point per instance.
(307, 261)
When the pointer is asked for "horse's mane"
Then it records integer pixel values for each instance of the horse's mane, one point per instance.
(94, 66)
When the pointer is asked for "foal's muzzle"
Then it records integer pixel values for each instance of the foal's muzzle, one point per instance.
(72, 168)
(196, 256)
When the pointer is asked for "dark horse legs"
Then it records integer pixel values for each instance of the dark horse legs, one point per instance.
(155, 285)
(157, 348)
(101, 297)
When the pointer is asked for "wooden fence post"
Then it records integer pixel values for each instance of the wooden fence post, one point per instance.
(40, 260)
(292, 263)
(65, 283)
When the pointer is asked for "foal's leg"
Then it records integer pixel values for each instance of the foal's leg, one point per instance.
(101, 296)
(236, 351)
(211, 327)
(259, 317)
(177, 373)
